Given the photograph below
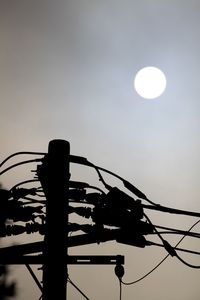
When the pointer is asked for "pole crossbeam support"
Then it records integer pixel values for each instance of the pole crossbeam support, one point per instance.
(95, 259)
(69, 260)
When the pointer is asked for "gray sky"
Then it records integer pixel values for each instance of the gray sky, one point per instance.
(66, 71)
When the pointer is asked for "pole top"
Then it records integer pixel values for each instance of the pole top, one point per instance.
(59, 147)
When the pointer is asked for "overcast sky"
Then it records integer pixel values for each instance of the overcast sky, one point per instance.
(67, 71)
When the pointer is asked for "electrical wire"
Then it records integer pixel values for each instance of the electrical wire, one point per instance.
(147, 274)
(20, 153)
(156, 267)
(170, 249)
(107, 186)
(172, 210)
(120, 289)
(195, 235)
(138, 193)
(157, 232)
(197, 222)
(32, 200)
(34, 277)
(133, 189)
(186, 263)
(96, 188)
(77, 288)
(150, 243)
(178, 231)
(127, 184)
(19, 164)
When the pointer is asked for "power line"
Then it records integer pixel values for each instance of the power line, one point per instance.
(147, 274)
(186, 263)
(19, 164)
(150, 243)
(34, 277)
(19, 153)
(178, 231)
(120, 289)
(152, 270)
(171, 250)
(172, 210)
(77, 288)
(194, 235)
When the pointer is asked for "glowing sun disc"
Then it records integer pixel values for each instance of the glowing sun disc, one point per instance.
(150, 82)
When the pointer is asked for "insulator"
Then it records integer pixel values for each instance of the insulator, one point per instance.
(119, 271)
(19, 229)
(85, 212)
(18, 193)
(94, 198)
(73, 227)
(83, 227)
(34, 227)
(77, 194)
(14, 230)
(118, 199)
(107, 216)
(129, 239)
(24, 214)
(144, 227)
(78, 184)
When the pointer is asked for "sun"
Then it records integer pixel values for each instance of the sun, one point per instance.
(150, 82)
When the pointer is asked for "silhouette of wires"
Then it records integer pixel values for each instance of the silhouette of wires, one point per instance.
(177, 231)
(172, 210)
(186, 263)
(156, 267)
(19, 153)
(19, 164)
(120, 290)
(77, 288)
(119, 272)
(100, 210)
(150, 243)
(34, 277)
(128, 185)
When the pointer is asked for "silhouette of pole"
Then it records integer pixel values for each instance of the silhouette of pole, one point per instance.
(54, 176)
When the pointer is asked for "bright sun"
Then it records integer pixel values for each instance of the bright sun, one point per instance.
(150, 82)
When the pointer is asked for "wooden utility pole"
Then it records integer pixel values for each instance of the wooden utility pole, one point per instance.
(53, 173)
(54, 176)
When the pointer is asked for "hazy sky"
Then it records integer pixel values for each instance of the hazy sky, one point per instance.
(66, 71)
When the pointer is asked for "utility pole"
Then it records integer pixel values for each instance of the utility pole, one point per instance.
(54, 177)
(53, 174)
